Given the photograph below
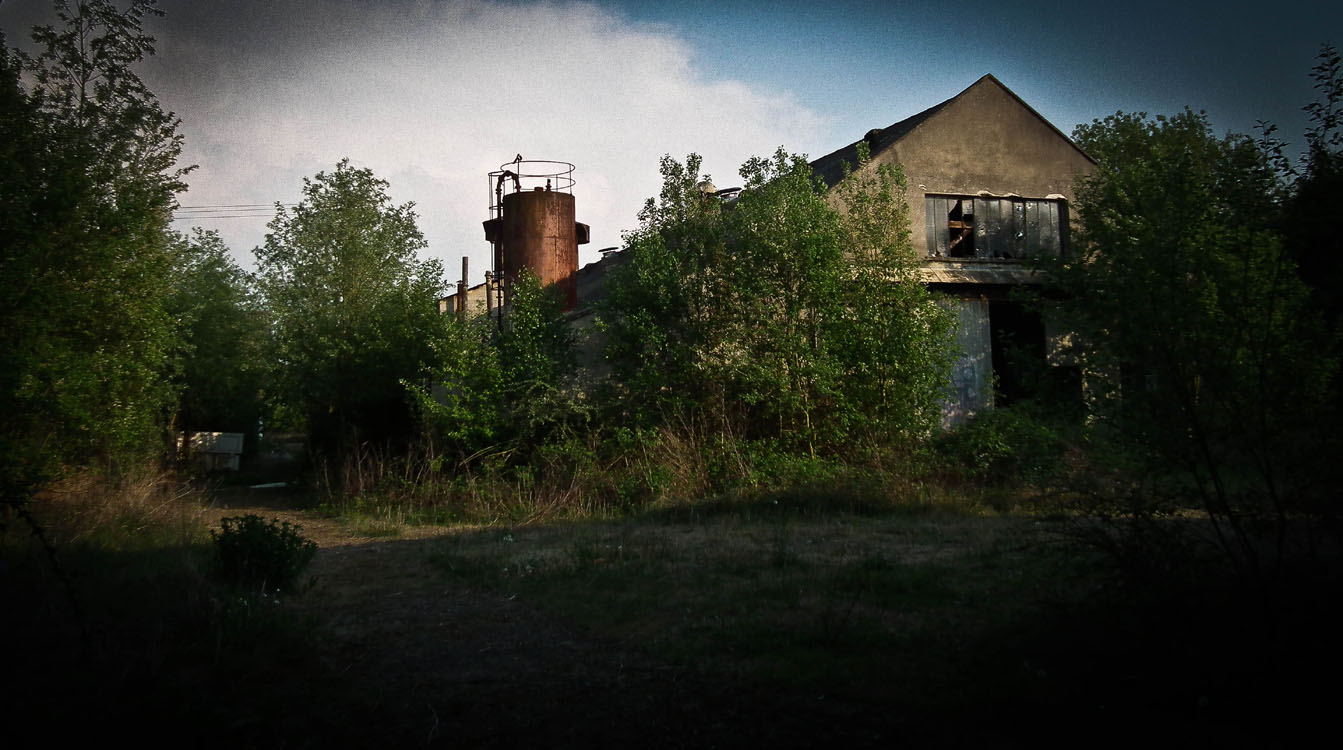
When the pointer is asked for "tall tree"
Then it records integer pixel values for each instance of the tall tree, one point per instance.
(1309, 224)
(87, 185)
(779, 315)
(893, 340)
(223, 329)
(353, 309)
(1185, 295)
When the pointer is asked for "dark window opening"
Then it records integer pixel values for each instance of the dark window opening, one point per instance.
(1017, 337)
(995, 228)
(961, 229)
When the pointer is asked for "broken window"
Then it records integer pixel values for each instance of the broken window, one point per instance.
(995, 228)
(961, 229)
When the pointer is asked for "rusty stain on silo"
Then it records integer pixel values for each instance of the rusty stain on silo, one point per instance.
(539, 234)
(532, 227)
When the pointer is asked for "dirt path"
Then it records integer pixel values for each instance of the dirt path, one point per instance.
(455, 666)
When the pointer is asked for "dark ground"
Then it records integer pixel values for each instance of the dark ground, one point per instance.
(386, 650)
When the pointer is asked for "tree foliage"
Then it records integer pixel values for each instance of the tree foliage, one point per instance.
(88, 177)
(777, 315)
(502, 381)
(535, 342)
(894, 340)
(461, 402)
(353, 310)
(1309, 226)
(223, 330)
(1205, 358)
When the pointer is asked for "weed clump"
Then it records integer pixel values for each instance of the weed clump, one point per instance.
(1003, 446)
(253, 553)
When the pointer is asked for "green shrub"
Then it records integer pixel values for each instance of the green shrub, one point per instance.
(255, 553)
(1010, 444)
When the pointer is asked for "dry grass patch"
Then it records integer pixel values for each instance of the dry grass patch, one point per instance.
(831, 601)
(142, 510)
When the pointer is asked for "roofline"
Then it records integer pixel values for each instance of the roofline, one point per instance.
(918, 119)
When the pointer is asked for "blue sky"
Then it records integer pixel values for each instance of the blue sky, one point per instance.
(433, 94)
(868, 64)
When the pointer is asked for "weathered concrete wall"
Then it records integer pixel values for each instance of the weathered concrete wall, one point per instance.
(972, 375)
(984, 140)
(475, 301)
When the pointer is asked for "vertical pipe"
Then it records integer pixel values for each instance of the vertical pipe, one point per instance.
(461, 291)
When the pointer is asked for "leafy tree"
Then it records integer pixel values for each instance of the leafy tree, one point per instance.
(87, 185)
(497, 381)
(659, 307)
(461, 403)
(353, 310)
(536, 344)
(894, 341)
(779, 315)
(1184, 296)
(224, 331)
(1309, 226)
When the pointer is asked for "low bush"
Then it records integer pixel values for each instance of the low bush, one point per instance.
(253, 553)
(1013, 444)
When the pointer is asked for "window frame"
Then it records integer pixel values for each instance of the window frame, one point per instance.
(993, 227)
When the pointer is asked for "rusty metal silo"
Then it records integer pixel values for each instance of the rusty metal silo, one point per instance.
(532, 226)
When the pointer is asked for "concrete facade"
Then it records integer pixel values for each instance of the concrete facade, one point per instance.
(985, 140)
(984, 170)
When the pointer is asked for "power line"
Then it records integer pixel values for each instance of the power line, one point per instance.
(233, 205)
(228, 211)
(222, 216)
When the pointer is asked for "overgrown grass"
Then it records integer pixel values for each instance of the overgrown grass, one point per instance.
(830, 601)
(624, 473)
(957, 614)
(142, 510)
(143, 642)
(978, 579)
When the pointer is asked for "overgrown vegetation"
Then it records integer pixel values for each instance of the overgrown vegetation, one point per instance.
(501, 385)
(129, 635)
(89, 174)
(258, 555)
(224, 332)
(110, 324)
(352, 310)
(757, 466)
(752, 344)
(777, 317)
(1221, 397)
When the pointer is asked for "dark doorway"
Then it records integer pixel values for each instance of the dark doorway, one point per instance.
(1018, 340)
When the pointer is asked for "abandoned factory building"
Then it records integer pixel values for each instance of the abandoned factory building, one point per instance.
(990, 185)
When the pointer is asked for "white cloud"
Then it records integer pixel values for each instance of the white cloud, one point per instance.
(434, 95)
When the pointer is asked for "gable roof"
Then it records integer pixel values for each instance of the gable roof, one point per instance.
(830, 167)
